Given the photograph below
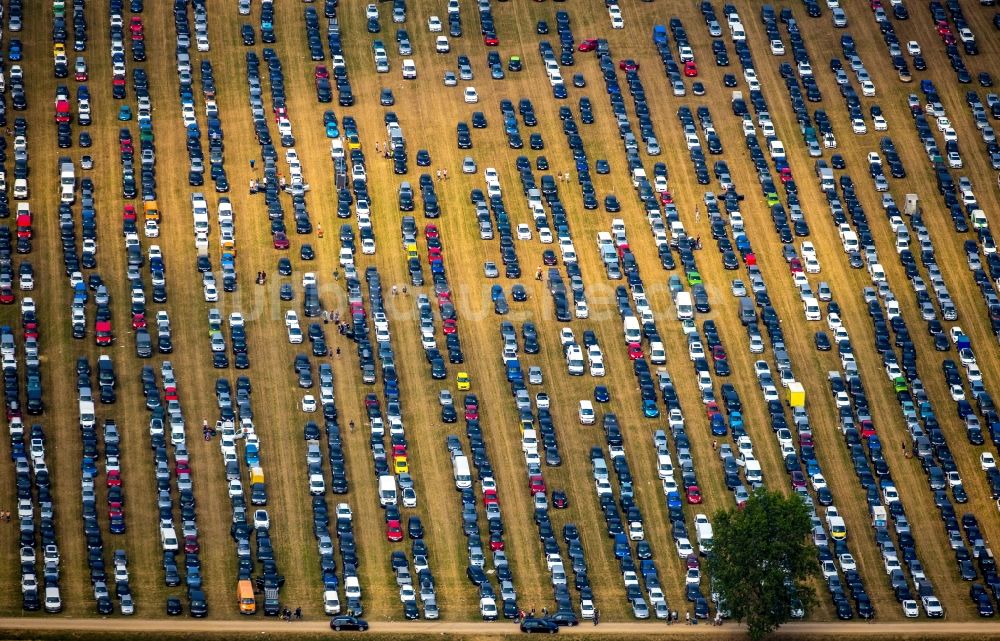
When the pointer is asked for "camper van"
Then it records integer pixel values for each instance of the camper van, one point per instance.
(461, 472)
(245, 597)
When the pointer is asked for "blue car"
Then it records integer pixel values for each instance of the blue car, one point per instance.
(16, 50)
(718, 425)
(650, 409)
(331, 130)
(674, 500)
(124, 113)
(601, 394)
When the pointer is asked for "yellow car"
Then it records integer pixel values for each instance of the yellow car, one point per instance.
(400, 465)
(463, 381)
(58, 49)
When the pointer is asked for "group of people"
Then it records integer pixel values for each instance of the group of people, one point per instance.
(287, 614)
(442, 174)
(261, 278)
(5, 516)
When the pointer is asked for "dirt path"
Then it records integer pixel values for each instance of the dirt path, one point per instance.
(923, 628)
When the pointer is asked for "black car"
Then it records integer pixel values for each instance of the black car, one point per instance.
(249, 38)
(173, 606)
(822, 342)
(535, 624)
(345, 622)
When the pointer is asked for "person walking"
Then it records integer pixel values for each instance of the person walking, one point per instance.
(597, 616)
(252, 163)
(438, 174)
(444, 174)
(338, 351)
(298, 614)
(687, 617)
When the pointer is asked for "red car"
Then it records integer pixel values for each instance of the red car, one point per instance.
(491, 40)
(80, 76)
(719, 353)
(496, 542)
(6, 295)
(191, 544)
(114, 478)
(536, 484)
(694, 495)
(634, 351)
(795, 266)
(471, 412)
(490, 497)
(103, 335)
(450, 326)
(867, 428)
(393, 531)
(280, 240)
(798, 479)
(321, 71)
(785, 174)
(138, 321)
(588, 45)
(666, 197)
(431, 231)
(129, 213)
(690, 69)
(711, 409)
(628, 65)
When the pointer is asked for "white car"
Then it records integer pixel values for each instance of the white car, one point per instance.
(879, 123)
(294, 334)
(441, 44)
(309, 403)
(933, 607)
(777, 48)
(910, 609)
(434, 24)
(858, 126)
(523, 232)
(847, 562)
(261, 520)
(617, 22)
(211, 293)
(470, 95)
(913, 48)
(987, 462)
(684, 549)
(151, 229)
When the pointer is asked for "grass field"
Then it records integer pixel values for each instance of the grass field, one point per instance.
(428, 113)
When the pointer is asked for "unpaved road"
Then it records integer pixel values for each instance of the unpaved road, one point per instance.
(245, 627)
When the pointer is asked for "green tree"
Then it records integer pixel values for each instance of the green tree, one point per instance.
(762, 557)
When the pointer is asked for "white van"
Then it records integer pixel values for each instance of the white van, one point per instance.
(753, 471)
(168, 539)
(811, 308)
(657, 353)
(87, 418)
(460, 472)
(630, 327)
(331, 602)
(777, 149)
(53, 602)
(587, 415)
(387, 490)
(704, 534)
(685, 309)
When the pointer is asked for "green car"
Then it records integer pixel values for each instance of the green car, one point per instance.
(694, 278)
(772, 199)
(899, 384)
